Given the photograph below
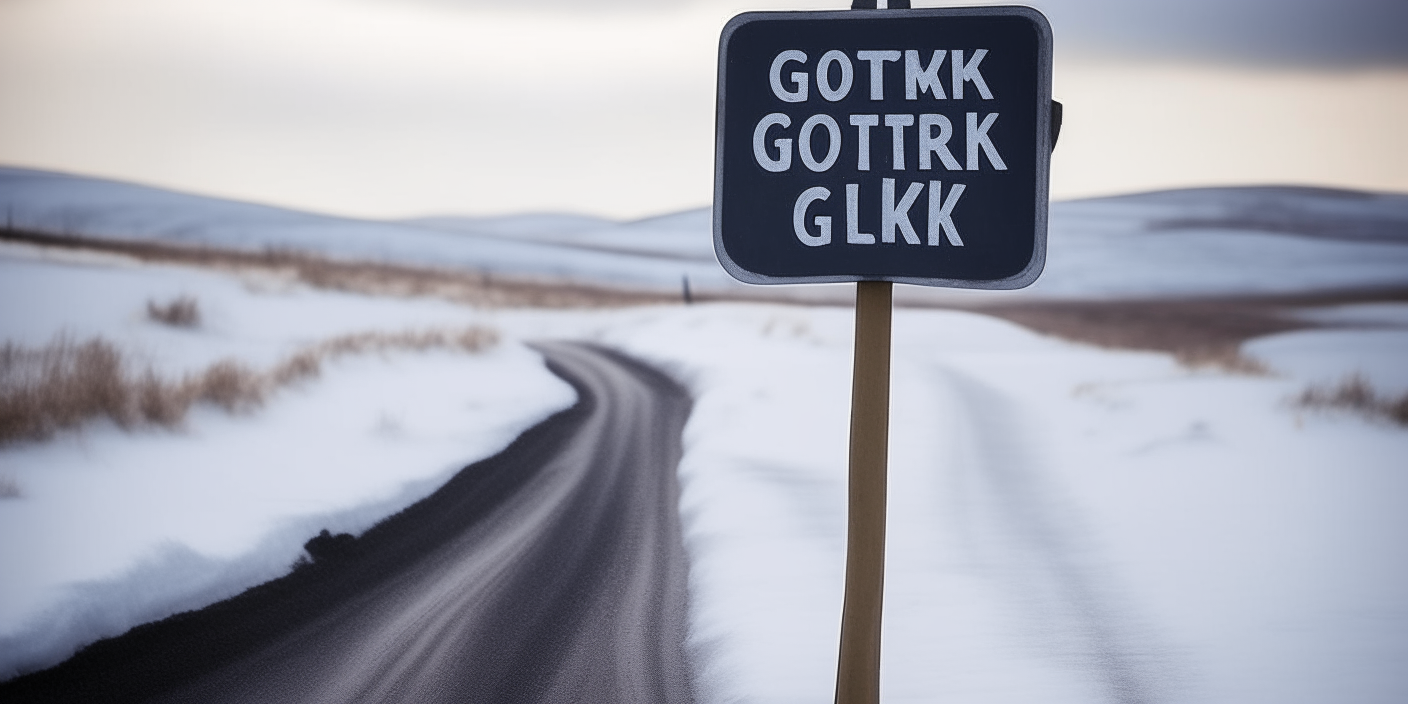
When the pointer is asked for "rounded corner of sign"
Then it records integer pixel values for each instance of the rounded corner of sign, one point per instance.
(1034, 14)
(1027, 276)
(1022, 279)
(732, 267)
(737, 21)
(748, 277)
(732, 26)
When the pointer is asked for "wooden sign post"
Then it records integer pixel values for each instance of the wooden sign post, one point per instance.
(882, 147)
(858, 670)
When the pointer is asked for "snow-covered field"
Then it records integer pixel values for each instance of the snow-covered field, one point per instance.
(1067, 523)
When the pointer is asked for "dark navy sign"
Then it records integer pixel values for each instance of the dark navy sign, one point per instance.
(897, 145)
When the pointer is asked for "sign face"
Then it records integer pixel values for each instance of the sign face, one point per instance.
(892, 145)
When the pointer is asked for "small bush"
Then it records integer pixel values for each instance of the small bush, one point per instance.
(180, 312)
(231, 386)
(97, 380)
(326, 547)
(476, 338)
(1398, 410)
(159, 403)
(1355, 394)
(304, 365)
(1225, 358)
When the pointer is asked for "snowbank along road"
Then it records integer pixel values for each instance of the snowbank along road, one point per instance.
(552, 572)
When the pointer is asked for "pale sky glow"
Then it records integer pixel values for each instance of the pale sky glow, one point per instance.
(390, 109)
(1148, 126)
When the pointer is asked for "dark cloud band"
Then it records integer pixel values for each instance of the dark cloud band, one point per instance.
(1302, 33)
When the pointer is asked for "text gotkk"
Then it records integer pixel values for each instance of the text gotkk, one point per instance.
(947, 131)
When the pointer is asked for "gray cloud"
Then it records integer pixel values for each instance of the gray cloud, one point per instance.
(1298, 33)
(1338, 33)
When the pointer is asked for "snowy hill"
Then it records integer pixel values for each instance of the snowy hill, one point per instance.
(1218, 241)
(530, 246)
(1196, 242)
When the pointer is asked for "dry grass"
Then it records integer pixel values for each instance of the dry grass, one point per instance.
(376, 278)
(1354, 394)
(64, 384)
(60, 386)
(180, 312)
(231, 386)
(1198, 333)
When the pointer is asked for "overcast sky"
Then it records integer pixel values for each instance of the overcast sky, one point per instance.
(394, 108)
(1341, 33)
(1302, 32)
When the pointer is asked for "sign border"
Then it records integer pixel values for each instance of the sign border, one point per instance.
(1044, 145)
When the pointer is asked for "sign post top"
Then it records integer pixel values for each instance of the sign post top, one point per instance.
(878, 145)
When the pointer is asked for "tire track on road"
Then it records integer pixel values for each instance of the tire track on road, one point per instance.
(1034, 545)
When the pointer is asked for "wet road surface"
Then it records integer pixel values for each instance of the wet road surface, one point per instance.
(552, 572)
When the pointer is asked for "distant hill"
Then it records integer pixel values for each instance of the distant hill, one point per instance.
(1191, 242)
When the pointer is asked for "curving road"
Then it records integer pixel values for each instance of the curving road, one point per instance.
(552, 572)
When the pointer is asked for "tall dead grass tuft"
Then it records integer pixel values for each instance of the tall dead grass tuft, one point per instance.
(64, 384)
(231, 386)
(159, 402)
(471, 340)
(60, 386)
(1355, 394)
(1225, 358)
(180, 312)
(301, 366)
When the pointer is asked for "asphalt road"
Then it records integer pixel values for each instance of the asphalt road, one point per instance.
(552, 572)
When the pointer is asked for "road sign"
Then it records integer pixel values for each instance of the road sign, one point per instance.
(909, 146)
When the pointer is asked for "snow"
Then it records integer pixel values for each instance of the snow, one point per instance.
(1200, 242)
(114, 529)
(1066, 523)
(605, 252)
(1193, 242)
(1328, 357)
(1367, 340)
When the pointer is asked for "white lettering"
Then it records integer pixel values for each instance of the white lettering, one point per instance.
(804, 142)
(799, 218)
(799, 79)
(897, 123)
(941, 213)
(863, 123)
(783, 161)
(978, 138)
(823, 75)
(893, 215)
(969, 72)
(853, 233)
(877, 60)
(918, 79)
(931, 144)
